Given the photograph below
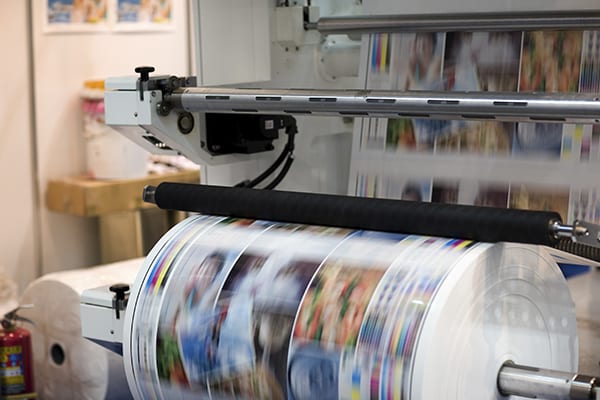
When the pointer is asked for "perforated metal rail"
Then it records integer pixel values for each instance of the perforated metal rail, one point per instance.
(524, 107)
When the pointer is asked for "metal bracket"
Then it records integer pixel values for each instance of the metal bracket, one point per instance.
(580, 232)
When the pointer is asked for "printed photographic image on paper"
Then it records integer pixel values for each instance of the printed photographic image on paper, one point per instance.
(580, 143)
(405, 61)
(480, 62)
(416, 64)
(315, 372)
(589, 79)
(418, 61)
(327, 327)
(76, 15)
(427, 131)
(144, 14)
(189, 301)
(551, 61)
(400, 135)
(334, 305)
(477, 137)
(240, 345)
(586, 142)
(538, 140)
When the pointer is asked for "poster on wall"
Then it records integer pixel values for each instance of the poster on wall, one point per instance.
(144, 15)
(76, 15)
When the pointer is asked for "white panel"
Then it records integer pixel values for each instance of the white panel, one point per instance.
(323, 143)
(62, 63)
(18, 254)
(234, 41)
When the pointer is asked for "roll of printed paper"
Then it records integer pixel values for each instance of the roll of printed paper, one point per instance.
(227, 308)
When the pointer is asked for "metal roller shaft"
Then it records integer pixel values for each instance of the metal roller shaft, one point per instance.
(465, 22)
(524, 107)
(519, 380)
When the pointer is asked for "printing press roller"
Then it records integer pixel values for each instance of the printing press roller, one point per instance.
(234, 308)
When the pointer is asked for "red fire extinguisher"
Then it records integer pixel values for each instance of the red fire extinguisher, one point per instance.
(16, 359)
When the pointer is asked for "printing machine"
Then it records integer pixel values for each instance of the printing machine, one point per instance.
(183, 115)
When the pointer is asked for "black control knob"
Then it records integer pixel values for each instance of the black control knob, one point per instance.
(144, 77)
(119, 289)
(144, 72)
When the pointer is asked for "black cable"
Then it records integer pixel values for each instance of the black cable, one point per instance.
(281, 175)
(252, 183)
(291, 131)
(286, 153)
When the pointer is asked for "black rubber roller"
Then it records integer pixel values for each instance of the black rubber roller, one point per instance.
(484, 224)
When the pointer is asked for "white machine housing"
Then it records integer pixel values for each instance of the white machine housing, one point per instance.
(137, 118)
(100, 321)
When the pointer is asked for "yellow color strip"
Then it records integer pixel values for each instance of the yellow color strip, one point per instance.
(384, 47)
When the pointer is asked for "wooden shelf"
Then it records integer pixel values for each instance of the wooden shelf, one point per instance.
(127, 226)
(87, 197)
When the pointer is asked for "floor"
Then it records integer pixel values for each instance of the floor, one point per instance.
(585, 290)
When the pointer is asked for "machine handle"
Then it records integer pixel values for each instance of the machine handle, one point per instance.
(421, 218)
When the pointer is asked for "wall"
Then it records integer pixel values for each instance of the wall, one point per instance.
(62, 62)
(18, 242)
(241, 52)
